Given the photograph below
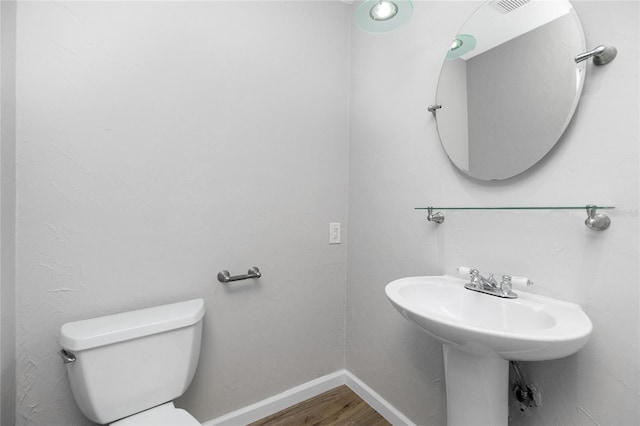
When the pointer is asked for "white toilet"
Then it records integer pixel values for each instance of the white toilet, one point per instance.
(126, 369)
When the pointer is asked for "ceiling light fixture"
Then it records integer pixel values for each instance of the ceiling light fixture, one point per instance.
(462, 44)
(381, 16)
(383, 10)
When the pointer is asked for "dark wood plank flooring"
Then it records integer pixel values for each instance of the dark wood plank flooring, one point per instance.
(337, 407)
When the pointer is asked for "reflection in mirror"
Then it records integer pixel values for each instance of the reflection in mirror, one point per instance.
(509, 86)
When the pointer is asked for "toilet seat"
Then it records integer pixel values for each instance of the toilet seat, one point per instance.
(162, 415)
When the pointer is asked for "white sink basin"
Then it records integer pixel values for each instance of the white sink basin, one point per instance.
(529, 328)
(481, 333)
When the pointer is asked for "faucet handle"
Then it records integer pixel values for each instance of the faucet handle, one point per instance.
(505, 284)
(463, 270)
(521, 281)
(475, 276)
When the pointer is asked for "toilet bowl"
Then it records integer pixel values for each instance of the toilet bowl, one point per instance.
(126, 369)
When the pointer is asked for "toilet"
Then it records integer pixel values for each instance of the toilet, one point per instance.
(126, 369)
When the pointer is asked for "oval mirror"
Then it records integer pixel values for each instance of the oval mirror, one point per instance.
(509, 86)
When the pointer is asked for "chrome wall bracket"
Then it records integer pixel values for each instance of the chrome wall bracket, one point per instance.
(433, 108)
(596, 221)
(601, 55)
(436, 217)
(225, 277)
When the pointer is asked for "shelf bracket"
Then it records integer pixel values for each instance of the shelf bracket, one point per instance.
(596, 221)
(436, 217)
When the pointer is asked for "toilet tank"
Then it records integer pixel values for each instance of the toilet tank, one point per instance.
(132, 361)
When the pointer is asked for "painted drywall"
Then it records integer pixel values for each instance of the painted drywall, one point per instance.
(159, 144)
(162, 142)
(396, 163)
(7, 211)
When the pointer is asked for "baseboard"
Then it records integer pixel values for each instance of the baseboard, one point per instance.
(272, 405)
(378, 403)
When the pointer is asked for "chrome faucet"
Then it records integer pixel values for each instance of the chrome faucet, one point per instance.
(481, 282)
(490, 285)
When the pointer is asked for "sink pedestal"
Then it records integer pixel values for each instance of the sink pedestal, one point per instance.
(480, 333)
(477, 388)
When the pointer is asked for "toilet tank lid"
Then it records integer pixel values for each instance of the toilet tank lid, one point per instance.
(95, 332)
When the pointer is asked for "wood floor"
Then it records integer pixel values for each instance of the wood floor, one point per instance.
(339, 406)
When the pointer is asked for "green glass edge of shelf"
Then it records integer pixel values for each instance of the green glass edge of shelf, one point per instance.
(521, 208)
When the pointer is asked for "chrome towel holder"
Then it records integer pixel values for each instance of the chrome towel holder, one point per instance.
(225, 277)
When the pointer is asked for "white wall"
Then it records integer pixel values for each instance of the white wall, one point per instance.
(396, 163)
(161, 142)
(7, 210)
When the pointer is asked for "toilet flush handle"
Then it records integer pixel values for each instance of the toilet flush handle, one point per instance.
(67, 356)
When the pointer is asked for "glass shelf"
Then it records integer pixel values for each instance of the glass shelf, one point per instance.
(595, 221)
(521, 208)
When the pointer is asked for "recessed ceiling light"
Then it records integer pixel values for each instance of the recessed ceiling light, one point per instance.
(381, 16)
(383, 10)
(456, 44)
(462, 44)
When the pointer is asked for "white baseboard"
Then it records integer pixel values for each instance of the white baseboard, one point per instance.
(378, 403)
(272, 405)
(286, 399)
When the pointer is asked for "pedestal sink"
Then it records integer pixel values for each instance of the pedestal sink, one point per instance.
(481, 333)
